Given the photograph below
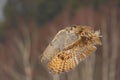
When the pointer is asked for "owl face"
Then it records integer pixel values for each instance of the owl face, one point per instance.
(90, 36)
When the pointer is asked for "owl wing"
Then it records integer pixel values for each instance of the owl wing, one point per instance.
(63, 37)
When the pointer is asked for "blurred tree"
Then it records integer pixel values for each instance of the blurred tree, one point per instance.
(39, 10)
(10, 9)
(48, 9)
(97, 3)
(2, 28)
(1, 38)
(75, 4)
(118, 2)
(43, 11)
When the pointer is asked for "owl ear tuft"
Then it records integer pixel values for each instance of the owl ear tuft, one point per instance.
(98, 33)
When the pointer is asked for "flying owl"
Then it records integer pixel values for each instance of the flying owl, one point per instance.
(69, 47)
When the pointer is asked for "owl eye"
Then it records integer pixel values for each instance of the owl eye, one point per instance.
(80, 31)
(61, 57)
(74, 26)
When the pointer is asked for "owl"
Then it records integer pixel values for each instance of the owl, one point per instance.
(69, 47)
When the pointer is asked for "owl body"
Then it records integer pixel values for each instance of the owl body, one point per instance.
(73, 44)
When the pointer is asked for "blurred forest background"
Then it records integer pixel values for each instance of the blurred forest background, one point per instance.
(27, 27)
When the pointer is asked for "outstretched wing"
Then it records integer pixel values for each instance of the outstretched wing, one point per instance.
(70, 46)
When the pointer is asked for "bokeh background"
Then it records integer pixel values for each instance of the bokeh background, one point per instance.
(27, 27)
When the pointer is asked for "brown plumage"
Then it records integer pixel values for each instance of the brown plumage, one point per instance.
(69, 57)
